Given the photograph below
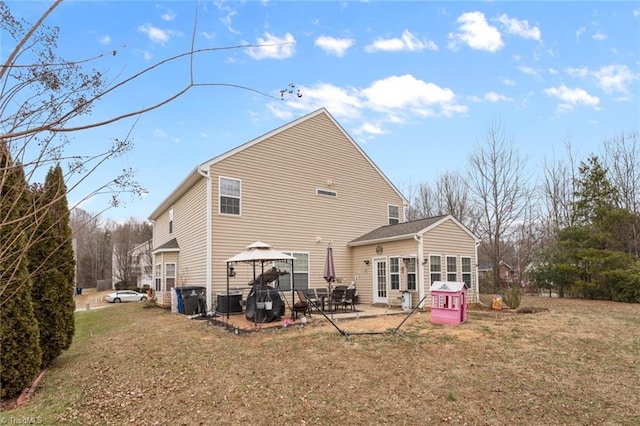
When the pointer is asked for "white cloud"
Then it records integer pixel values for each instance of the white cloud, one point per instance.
(475, 32)
(105, 40)
(508, 82)
(342, 102)
(572, 97)
(273, 47)
(636, 13)
(577, 71)
(228, 17)
(369, 129)
(492, 97)
(408, 94)
(615, 78)
(407, 42)
(599, 36)
(159, 133)
(334, 46)
(529, 71)
(155, 34)
(168, 16)
(520, 28)
(610, 78)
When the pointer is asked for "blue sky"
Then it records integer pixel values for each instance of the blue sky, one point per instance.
(416, 84)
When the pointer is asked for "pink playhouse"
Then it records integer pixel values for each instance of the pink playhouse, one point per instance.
(448, 302)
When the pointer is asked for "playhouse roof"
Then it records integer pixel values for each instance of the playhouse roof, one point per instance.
(448, 286)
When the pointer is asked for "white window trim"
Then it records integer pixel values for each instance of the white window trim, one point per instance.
(158, 276)
(469, 273)
(296, 270)
(431, 272)
(389, 216)
(171, 220)
(415, 272)
(220, 195)
(391, 273)
(447, 267)
(166, 276)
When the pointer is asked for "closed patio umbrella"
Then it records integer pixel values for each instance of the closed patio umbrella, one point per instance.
(329, 270)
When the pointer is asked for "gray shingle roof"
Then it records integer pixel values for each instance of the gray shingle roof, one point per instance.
(399, 230)
(171, 244)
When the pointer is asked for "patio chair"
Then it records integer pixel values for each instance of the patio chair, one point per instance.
(337, 297)
(349, 299)
(301, 305)
(312, 299)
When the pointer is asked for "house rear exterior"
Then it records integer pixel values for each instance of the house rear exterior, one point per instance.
(299, 188)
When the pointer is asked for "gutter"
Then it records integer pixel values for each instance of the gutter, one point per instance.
(420, 267)
(209, 239)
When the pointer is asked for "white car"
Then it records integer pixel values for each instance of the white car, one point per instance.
(125, 296)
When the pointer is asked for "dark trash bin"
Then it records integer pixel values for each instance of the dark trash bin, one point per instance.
(78, 291)
(231, 301)
(192, 299)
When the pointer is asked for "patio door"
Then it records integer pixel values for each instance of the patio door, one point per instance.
(380, 281)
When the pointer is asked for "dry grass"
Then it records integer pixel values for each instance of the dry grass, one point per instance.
(571, 362)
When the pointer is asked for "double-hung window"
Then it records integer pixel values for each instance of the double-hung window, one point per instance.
(452, 268)
(394, 272)
(394, 214)
(435, 269)
(170, 275)
(300, 272)
(230, 195)
(465, 265)
(158, 277)
(411, 274)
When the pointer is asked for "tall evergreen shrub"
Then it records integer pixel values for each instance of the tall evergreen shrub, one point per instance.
(20, 353)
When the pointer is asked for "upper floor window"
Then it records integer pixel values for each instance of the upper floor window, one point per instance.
(394, 214)
(229, 190)
(171, 220)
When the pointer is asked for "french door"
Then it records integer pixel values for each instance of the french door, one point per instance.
(380, 281)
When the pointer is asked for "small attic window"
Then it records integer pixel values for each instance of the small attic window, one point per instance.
(326, 193)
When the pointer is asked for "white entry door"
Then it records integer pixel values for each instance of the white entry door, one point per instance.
(380, 281)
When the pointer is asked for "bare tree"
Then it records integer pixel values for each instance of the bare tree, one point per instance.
(448, 195)
(45, 99)
(498, 185)
(126, 238)
(557, 192)
(622, 160)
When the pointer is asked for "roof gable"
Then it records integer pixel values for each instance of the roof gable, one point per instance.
(200, 171)
(407, 230)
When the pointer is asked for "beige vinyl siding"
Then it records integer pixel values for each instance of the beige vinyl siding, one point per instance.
(189, 228)
(365, 284)
(279, 204)
(190, 220)
(161, 230)
(447, 239)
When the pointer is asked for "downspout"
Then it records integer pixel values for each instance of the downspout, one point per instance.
(476, 298)
(420, 267)
(209, 240)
